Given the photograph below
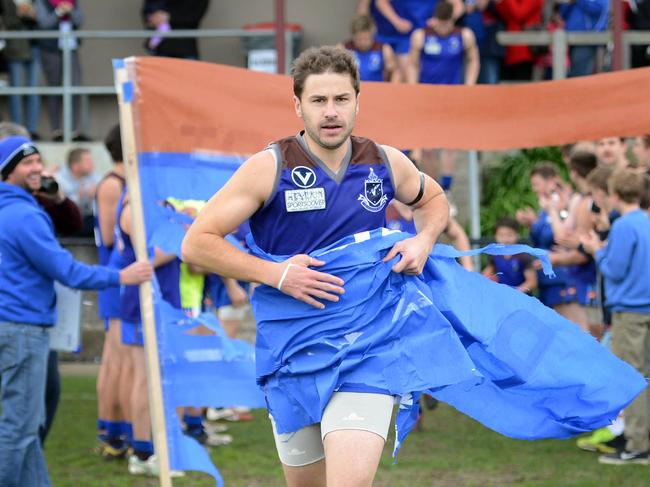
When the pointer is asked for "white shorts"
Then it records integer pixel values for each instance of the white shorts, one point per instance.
(345, 411)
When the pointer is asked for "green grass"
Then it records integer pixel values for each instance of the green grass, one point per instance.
(451, 450)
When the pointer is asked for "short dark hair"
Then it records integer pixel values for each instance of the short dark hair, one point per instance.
(320, 60)
(507, 222)
(628, 185)
(362, 23)
(444, 11)
(545, 170)
(599, 178)
(113, 144)
(583, 162)
(76, 154)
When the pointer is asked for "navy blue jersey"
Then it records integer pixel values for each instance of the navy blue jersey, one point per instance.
(415, 11)
(108, 300)
(441, 59)
(312, 207)
(371, 62)
(168, 277)
(510, 269)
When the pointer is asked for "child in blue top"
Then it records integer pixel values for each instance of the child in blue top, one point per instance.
(512, 270)
(624, 262)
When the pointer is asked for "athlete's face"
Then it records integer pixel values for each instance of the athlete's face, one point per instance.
(328, 107)
(443, 27)
(363, 40)
(27, 173)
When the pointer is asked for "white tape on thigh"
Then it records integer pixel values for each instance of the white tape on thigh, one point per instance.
(284, 275)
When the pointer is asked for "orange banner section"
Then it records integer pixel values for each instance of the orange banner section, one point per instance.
(184, 106)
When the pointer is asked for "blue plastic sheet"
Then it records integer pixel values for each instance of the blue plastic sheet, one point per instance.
(492, 352)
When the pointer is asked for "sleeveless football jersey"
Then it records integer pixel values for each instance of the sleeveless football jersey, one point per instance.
(311, 206)
(168, 276)
(441, 59)
(371, 62)
(108, 300)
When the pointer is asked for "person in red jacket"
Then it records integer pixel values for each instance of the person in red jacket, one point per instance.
(519, 15)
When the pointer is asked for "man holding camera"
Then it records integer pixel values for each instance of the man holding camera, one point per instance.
(30, 261)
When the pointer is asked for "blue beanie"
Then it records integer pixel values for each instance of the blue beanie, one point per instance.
(13, 150)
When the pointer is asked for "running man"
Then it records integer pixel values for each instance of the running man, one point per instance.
(305, 192)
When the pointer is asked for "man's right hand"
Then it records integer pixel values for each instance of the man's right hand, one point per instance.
(304, 284)
(136, 273)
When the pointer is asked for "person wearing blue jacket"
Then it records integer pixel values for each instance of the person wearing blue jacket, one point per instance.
(31, 260)
(584, 16)
(624, 262)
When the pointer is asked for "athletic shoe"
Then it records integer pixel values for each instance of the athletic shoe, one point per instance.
(215, 428)
(625, 457)
(214, 439)
(229, 414)
(110, 452)
(148, 467)
(597, 441)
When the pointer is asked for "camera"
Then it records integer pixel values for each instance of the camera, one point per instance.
(49, 186)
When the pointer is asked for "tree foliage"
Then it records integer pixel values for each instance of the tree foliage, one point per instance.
(506, 185)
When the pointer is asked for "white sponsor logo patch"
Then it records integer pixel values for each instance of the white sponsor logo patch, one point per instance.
(304, 199)
(303, 177)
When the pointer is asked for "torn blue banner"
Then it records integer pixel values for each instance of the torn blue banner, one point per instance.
(196, 176)
(492, 352)
(199, 370)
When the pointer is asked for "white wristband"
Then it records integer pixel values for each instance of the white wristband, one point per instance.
(284, 275)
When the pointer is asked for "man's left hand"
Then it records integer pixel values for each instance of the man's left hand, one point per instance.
(414, 251)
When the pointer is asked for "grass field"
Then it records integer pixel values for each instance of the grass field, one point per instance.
(450, 451)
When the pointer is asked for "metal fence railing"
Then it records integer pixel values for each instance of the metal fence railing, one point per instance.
(560, 40)
(67, 90)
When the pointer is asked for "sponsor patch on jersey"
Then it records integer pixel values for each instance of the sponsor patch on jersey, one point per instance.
(304, 199)
(303, 176)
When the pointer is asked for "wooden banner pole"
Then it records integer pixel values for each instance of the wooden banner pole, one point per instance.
(125, 87)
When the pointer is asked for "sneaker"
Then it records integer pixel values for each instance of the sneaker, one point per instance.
(148, 467)
(215, 428)
(213, 414)
(624, 457)
(110, 452)
(597, 440)
(214, 439)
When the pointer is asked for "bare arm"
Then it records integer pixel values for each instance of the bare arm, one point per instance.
(387, 10)
(108, 195)
(238, 200)
(417, 42)
(391, 73)
(430, 213)
(472, 63)
(160, 258)
(460, 241)
(530, 281)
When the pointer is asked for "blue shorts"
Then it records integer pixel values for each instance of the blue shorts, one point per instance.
(132, 334)
(401, 44)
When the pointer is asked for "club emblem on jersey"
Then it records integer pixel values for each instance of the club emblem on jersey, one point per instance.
(303, 177)
(373, 198)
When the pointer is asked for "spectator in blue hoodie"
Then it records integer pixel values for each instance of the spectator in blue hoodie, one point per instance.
(584, 16)
(624, 262)
(31, 260)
